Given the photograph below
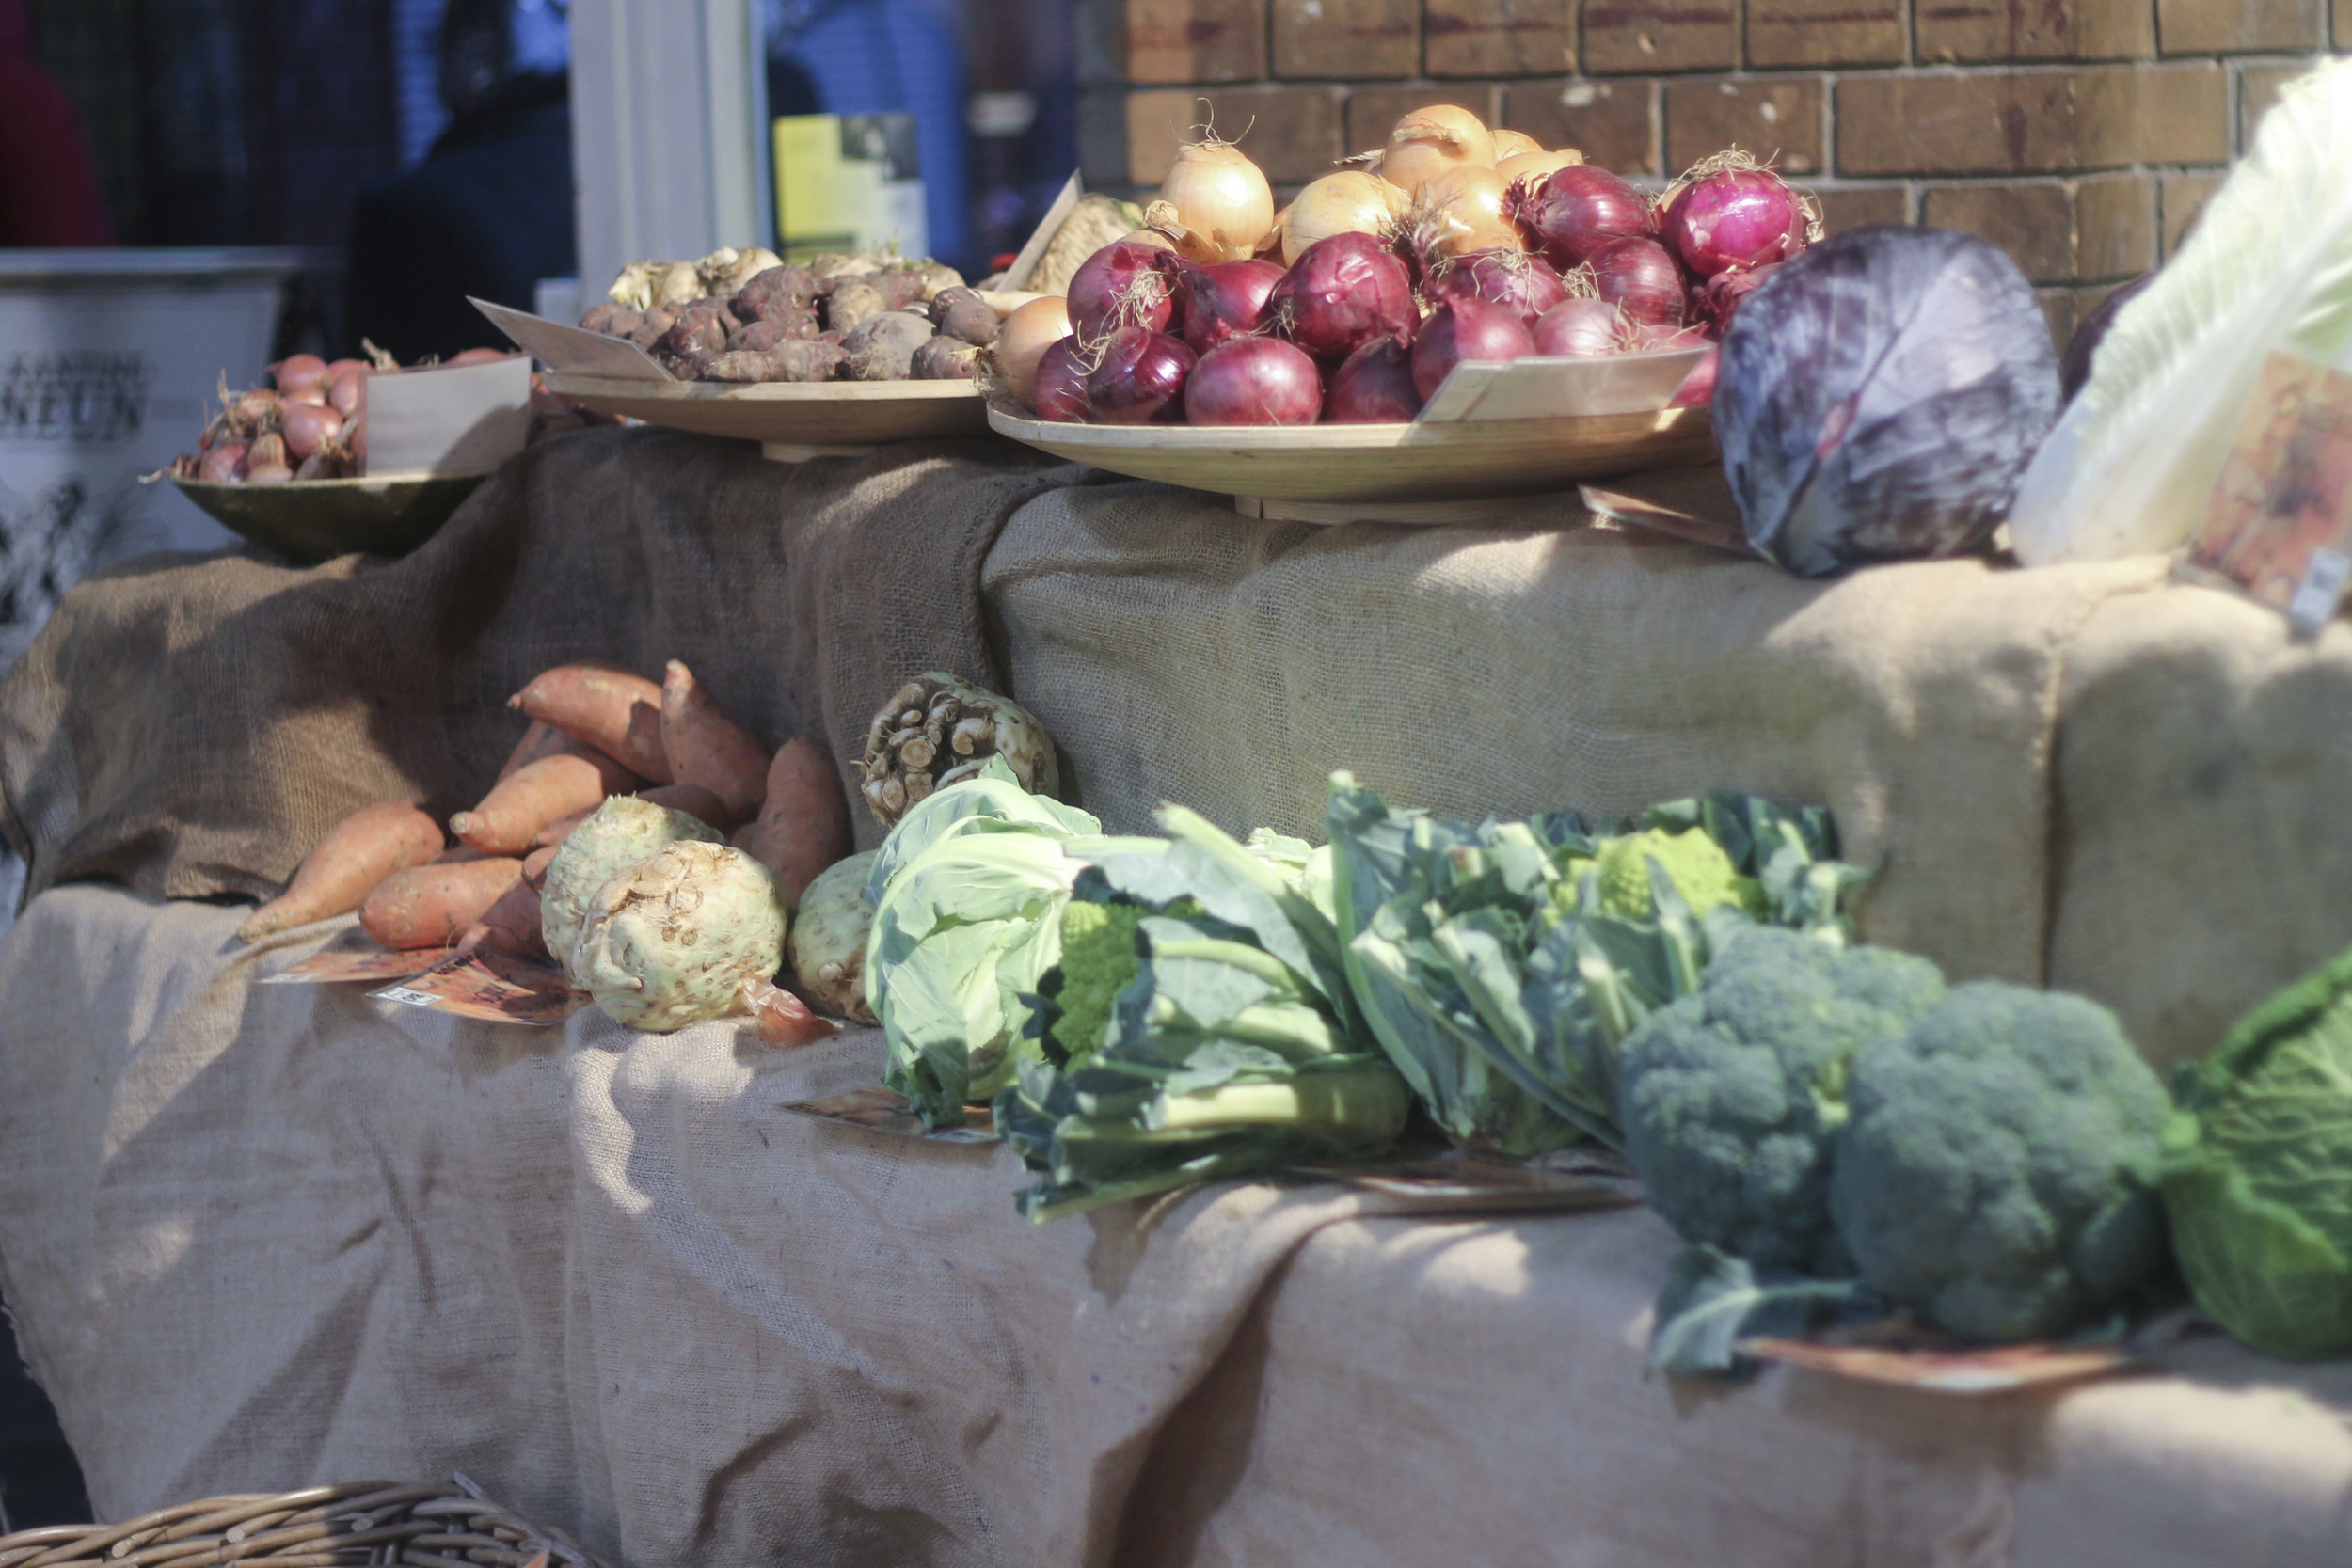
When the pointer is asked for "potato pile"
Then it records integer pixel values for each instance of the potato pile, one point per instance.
(745, 316)
(597, 731)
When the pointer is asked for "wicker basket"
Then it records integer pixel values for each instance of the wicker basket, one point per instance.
(448, 1525)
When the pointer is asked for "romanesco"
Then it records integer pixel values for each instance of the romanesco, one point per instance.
(1099, 961)
(1701, 872)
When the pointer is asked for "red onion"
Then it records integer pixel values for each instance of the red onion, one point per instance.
(1464, 329)
(1123, 284)
(1059, 392)
(1717, 300)
(1343, 292)
(1577, 209)
(1225, 300)
(1698, 389)
(1660, 340)
(1529, 284)
(1641, 279)
(1139, 378)
(1733, 216)
(1581, 329)
(1374, 386)
(1254, 380)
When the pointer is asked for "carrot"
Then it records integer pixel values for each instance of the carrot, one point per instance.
(804, 825)
(543, 739)
(708, 746)
(431, 906)
(534, 795)
(511, 924)
(616, 711)
(558, 831)
(359, 852)
(695, 801)
(535, 864)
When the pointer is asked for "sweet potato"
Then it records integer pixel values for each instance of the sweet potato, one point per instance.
(535, 864)
(357, 852)
(616, 711)
(707, 746)
(803, 825)
(431, 906)
(559, 829)
(534, 795)
(696, 803)
(511, 924)
(543, 739)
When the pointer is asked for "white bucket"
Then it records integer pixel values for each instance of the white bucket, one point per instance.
(107, 358)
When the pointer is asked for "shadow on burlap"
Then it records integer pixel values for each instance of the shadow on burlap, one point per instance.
(189, 726)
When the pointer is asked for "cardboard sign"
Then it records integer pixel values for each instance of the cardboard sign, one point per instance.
(492, 987)
(446, 418)
(880, 1109)
(2279, 525)
(573, 349)
(354, 955)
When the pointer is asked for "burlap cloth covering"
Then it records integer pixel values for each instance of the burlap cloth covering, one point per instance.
(261, 1236)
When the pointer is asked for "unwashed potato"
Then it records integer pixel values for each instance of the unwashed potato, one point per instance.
(883, 348)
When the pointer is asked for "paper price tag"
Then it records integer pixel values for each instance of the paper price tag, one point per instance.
(402, 994)
(2279, 525)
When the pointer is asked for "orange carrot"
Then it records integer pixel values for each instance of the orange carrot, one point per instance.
(695, 800)
(803, 826)
(616, 711)
(431, 906)
(359, 852)
(708, 746)
(534, 795)
(511, 924)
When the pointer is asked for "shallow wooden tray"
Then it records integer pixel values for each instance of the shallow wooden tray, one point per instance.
(796, 417)
(1421, 473)
(317, 519)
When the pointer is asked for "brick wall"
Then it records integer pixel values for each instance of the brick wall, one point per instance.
(2081, 136)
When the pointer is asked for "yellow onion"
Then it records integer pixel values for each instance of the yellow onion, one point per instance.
(1023, 339)
(1219, 195)
(1348, 202)
(1152, 237)
(1430, 141)
(1535, 168)
(1464, 211)
(1513, 144)
(1162, 218)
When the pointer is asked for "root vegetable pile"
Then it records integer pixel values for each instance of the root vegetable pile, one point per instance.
(1451, 243)
(746, 316)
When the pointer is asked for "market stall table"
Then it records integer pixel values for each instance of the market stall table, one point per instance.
(263, 1235)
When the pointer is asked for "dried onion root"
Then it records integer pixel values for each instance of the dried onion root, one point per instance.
(937, 729)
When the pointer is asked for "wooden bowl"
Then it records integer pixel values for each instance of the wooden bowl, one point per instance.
(790, 414)
(318, 519)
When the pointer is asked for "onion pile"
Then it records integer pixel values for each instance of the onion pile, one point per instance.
(306, 424)
(1353, 303)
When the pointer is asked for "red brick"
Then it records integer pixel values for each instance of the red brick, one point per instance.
(2032, 122)
(2115, 226)
(1644, 36)
(1196, 41)
(1497, 38)
(2257, 89)
(2339, 24)
(1825, 32)
(2181, 198)
(1765, 116)
(2034, 223)
(1373, 112)
(1294, 133)
(1851, 207)
(1970, 30)
(2059, 307)
(2239, 27)
(1613, 123)
(1346, 38)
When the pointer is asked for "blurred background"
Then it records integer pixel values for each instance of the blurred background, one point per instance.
(190, 188)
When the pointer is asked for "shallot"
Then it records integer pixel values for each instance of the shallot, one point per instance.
(1374, 386)
(1466, 330)
(299, 372)
(1342, 293)
(1139, 378)
(1225, 300)
(1579, 209)
(1254, 380)
(308, 428)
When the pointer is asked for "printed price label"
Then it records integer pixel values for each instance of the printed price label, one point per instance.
(2279, 525)
(402, 994)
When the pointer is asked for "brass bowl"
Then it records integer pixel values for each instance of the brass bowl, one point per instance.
(318, 519)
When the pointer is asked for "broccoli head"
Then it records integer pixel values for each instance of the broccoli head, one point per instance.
(1694, 862)
(1730, 1096)
(1997, 1177)
(1099, 961)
